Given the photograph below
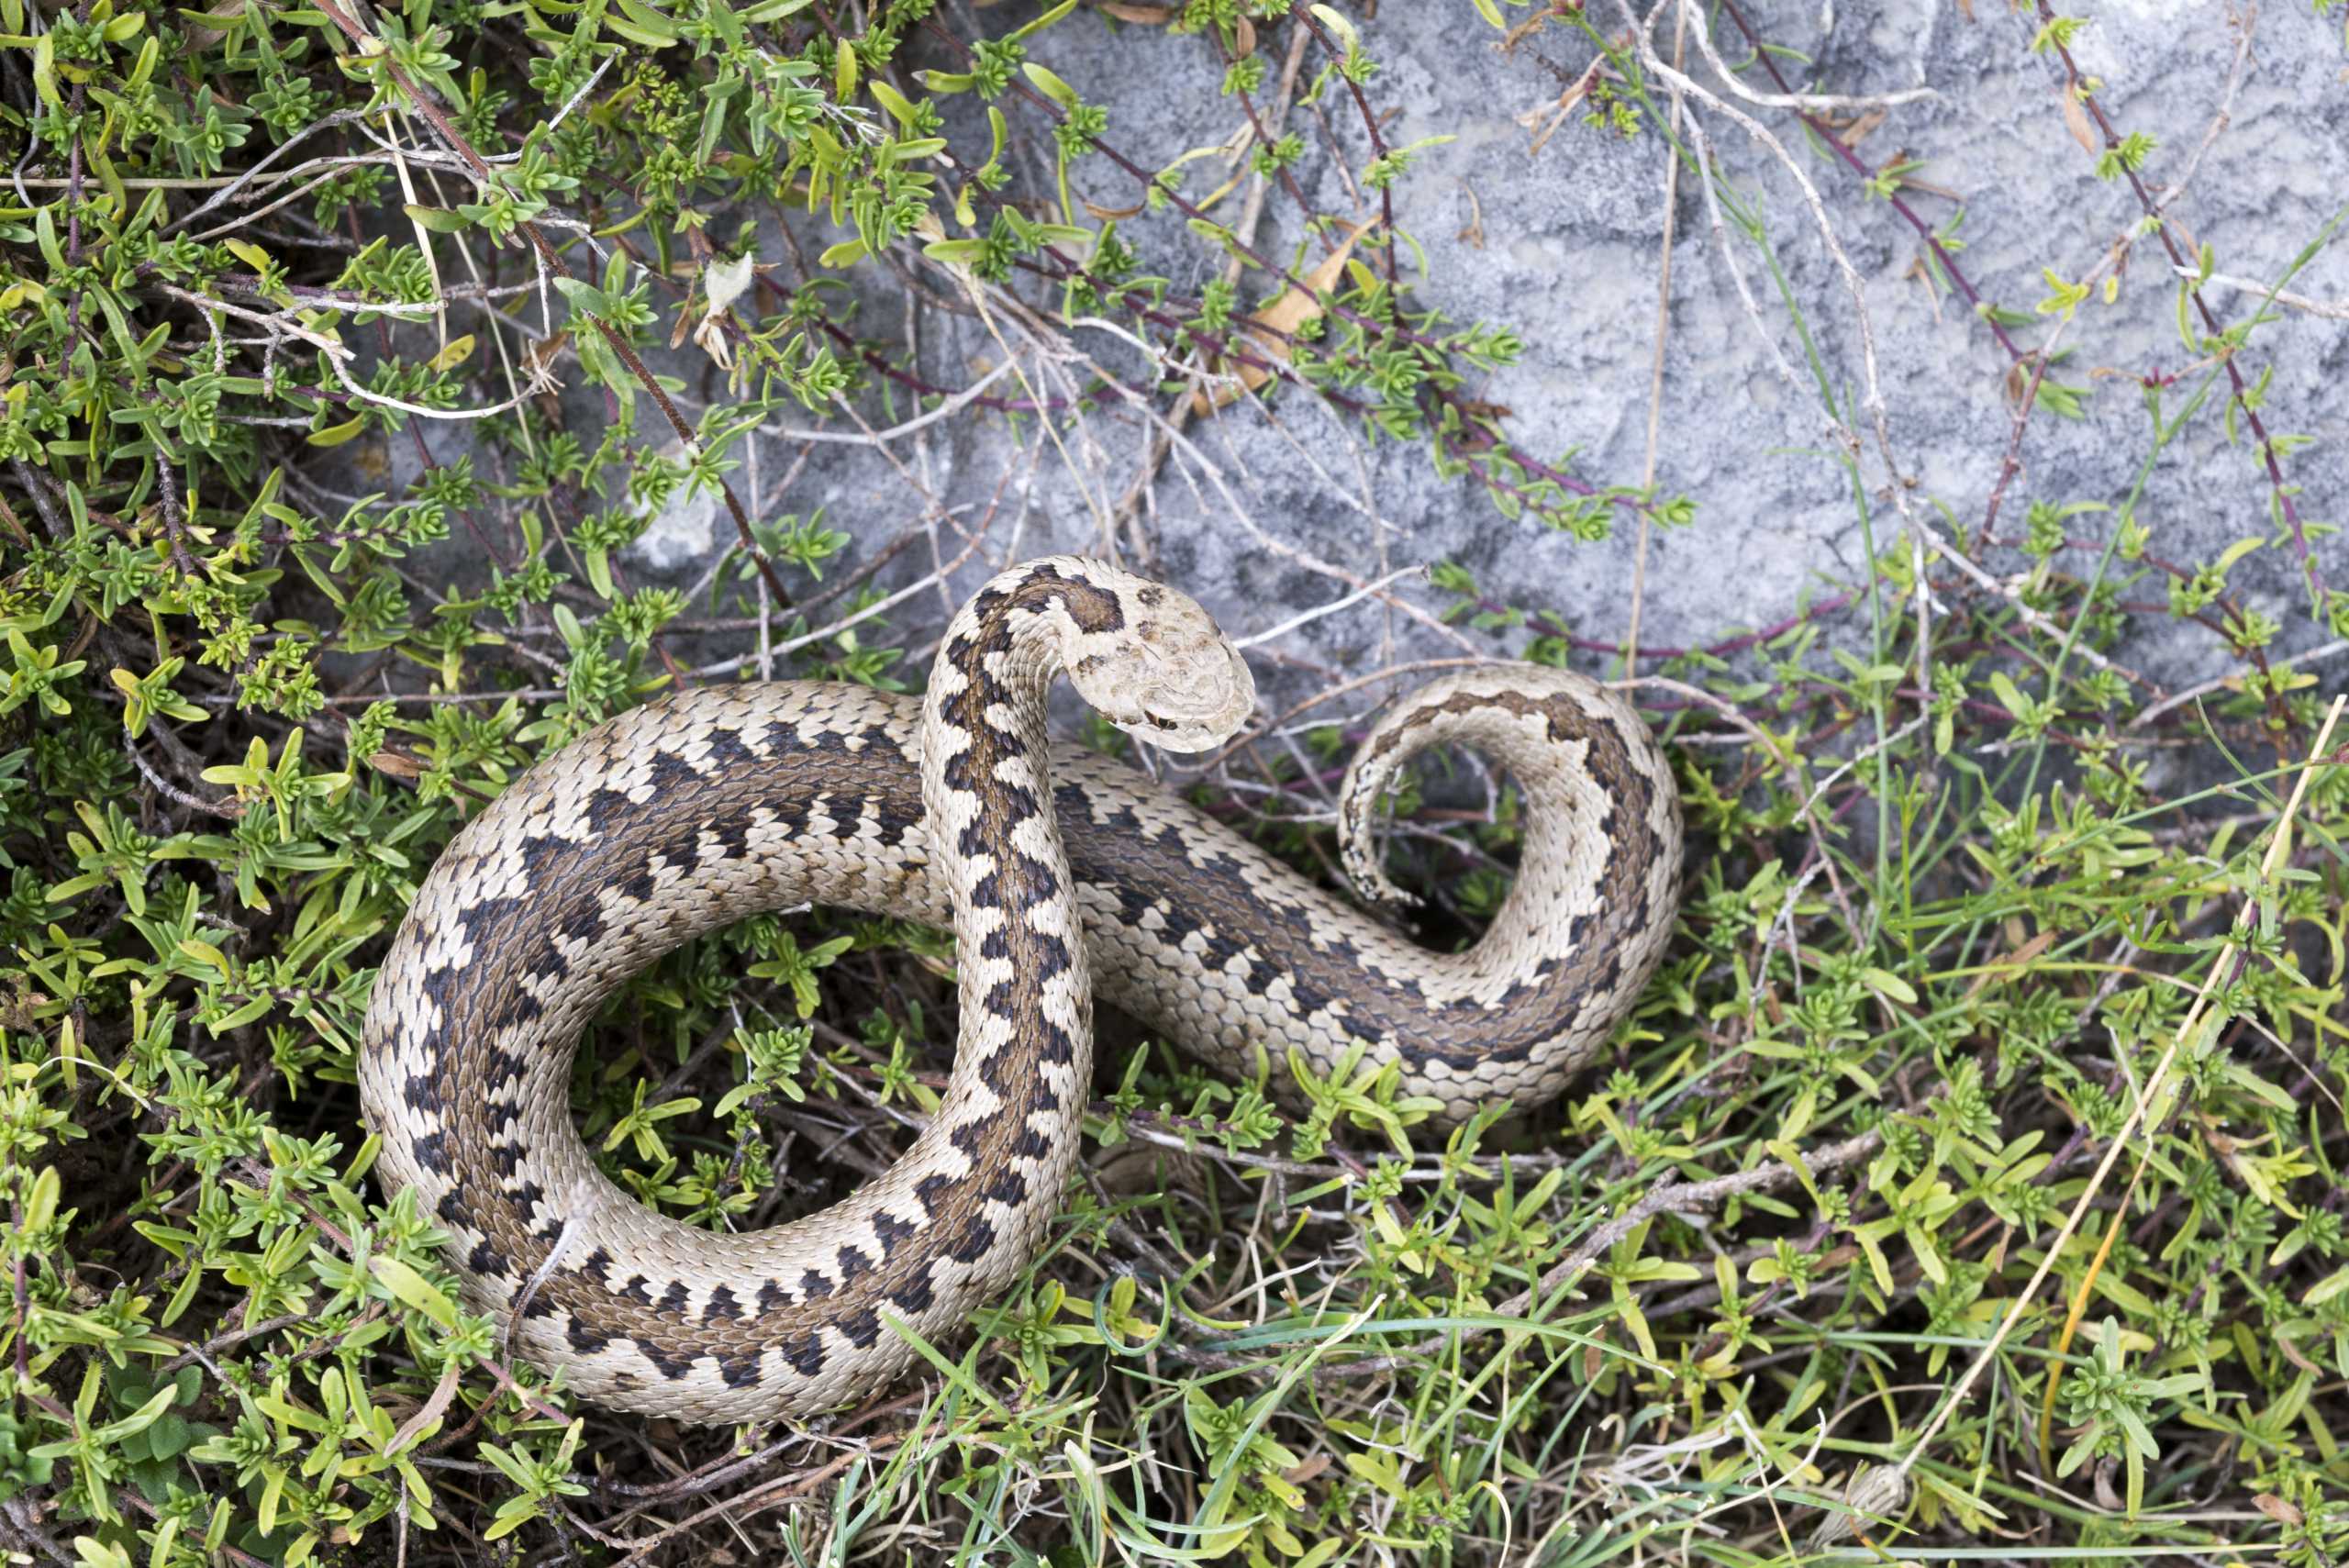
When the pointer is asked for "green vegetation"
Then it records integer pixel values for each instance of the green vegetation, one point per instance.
(2008, 1004)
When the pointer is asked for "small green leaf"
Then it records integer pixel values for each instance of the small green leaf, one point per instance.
(137, 1420)
(414, 1290)
(438, 219)
(1890, 985)
(1051, 86)
(889, 98)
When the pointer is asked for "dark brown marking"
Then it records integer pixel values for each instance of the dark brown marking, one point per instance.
(431, 1152)
(675, 1366)
(893, 1232)
(977, 1236)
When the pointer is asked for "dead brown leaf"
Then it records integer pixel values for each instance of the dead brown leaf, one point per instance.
(399, 766)
(431, 1410)
(1312, 1469)
(1922, 273)
(2012, 964)
(1860, 127)
(2294, 1354)
(1298, 303)
(1523, 30)
(2105, 1498)
(2076, 118)
(1472, 232)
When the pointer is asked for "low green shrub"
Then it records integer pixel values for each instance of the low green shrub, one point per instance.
(2008, 991)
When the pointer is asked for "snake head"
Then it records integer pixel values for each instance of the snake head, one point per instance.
(1166, 675)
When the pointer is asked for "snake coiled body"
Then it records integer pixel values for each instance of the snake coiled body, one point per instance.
(1057, 870)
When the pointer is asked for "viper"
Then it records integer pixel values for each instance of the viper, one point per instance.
(1057, 870)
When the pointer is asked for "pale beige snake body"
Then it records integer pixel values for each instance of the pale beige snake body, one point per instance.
(713, 804)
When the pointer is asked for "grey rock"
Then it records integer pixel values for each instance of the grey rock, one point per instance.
(1571, 241)
(1266, 514)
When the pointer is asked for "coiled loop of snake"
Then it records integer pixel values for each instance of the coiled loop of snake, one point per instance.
(1053, 870)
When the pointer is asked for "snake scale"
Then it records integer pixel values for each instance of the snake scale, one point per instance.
(1056, 870)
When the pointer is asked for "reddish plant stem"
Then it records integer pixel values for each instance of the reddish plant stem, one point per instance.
(1303, 13)
(1264, 139)
(1859, 166)
(173, 525)
(2011, 463)
(2278, 488)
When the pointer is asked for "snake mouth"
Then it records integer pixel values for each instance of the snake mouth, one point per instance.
(1174, 734)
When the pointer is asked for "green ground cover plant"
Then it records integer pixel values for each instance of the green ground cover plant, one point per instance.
(1969, 1182)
